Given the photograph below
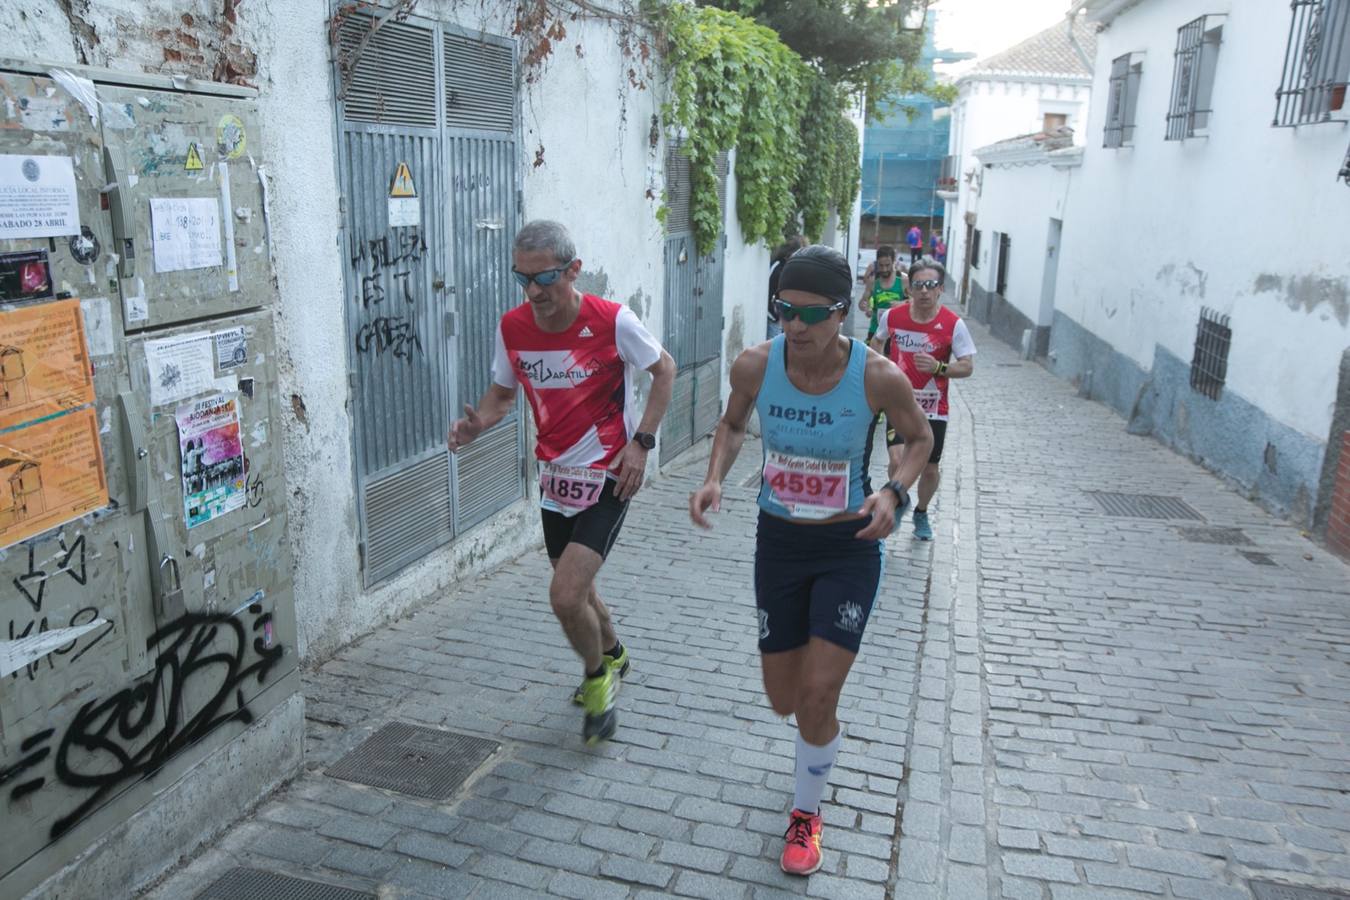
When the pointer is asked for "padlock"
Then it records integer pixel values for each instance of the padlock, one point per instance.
(169, 605)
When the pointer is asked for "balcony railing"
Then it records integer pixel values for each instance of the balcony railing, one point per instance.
(950, 172)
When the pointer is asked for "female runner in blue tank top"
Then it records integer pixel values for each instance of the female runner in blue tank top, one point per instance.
(818, 554)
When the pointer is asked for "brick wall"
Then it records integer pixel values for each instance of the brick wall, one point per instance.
(1338, 522)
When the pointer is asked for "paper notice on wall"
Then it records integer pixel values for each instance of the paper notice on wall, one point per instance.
(212, 458)
(231, 348)
(98, 325)
(44, 363)
(185, 232)
(14, 655)
(51, 471)
(182, 367)
(38, 197)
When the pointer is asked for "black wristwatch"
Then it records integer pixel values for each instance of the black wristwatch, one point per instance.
(645, 439)
(901, 495)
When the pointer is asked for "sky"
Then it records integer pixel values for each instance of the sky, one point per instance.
(985, 27)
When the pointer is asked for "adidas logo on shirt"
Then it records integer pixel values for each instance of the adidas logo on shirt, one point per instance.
(585, 331)
(938, 327)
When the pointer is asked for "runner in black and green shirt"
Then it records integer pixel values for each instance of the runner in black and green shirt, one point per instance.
(883, 287)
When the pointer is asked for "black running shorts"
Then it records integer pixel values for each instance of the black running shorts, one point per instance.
(596, 526)
(814, 581)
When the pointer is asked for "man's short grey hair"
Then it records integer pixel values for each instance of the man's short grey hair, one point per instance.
(542, 234)
(927, 262)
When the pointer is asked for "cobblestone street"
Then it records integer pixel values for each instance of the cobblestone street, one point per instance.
(1050, 702)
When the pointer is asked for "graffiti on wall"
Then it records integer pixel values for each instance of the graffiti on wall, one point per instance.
(384, 269)
(130, 734)
(68, 559)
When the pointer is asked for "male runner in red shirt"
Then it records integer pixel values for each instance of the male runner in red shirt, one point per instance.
(575, 355)
(931, 345)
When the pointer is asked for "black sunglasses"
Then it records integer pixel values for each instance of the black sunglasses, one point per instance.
(926, 283)
(544, 278)
(811, 315)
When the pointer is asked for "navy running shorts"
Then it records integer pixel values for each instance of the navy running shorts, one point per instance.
(597, 526)
(814, 581)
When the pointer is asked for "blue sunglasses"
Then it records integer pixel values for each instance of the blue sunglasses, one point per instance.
(544, 278)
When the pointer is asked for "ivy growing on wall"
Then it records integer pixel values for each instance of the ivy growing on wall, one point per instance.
(735, 85)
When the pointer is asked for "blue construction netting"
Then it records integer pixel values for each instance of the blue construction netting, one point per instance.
(905, 154)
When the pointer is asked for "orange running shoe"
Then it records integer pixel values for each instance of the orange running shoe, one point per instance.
(801, 855)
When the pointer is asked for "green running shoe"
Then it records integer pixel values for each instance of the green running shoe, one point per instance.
(598, 700)
(618, 665)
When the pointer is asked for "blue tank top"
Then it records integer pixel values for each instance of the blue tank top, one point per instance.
(813, 443)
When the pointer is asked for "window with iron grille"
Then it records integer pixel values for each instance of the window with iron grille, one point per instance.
(1209, 364)
(1316, 63)
(1123, 97)
(1004, 249)
(975, 249)
(1197, 57)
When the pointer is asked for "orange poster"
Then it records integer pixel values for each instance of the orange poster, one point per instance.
(44, 361)
(51, 471)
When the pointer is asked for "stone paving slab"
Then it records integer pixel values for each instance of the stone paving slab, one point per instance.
(1161, 717)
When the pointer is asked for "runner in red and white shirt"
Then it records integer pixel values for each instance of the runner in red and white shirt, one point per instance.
(931, 345)
(576, 356)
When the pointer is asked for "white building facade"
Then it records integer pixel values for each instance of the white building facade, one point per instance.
(1041, 84)
(1204, 284)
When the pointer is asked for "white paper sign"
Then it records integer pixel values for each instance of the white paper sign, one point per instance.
(38, 197)
(404, 211)
(98, 327)
(185, 232)
(182, 367)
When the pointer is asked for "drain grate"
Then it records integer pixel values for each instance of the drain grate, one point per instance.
(1206, 534)
(414, 760)
(1257, 559)
(253, 884)
(1143, 506)
(1269, 890)
(1008, 365)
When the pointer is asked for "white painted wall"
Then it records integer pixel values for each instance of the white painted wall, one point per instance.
(1019, 200)
(598, 163)
(745, 289)
(1248, 221)
(988, 110)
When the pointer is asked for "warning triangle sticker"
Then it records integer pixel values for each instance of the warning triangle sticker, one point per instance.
(403, 183)
(194, 159)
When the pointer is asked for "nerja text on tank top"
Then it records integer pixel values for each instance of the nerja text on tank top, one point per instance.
(813, 443)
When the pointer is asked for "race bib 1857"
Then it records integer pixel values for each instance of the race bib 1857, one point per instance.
(572, 488)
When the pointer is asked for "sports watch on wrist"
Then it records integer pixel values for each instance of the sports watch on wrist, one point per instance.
(645, 439)
(901, 495)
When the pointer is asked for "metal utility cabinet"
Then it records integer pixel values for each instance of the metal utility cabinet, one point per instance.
(145, 575)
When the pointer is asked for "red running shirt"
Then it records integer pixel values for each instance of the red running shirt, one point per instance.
(580, 381)
(945, 338)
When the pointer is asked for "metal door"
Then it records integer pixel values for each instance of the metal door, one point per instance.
(58, 702)
(399, 318)
(483, 176)
(693, 315)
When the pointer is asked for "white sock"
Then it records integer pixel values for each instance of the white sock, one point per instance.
(813, 772)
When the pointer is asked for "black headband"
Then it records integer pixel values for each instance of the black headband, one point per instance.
(828, 277)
